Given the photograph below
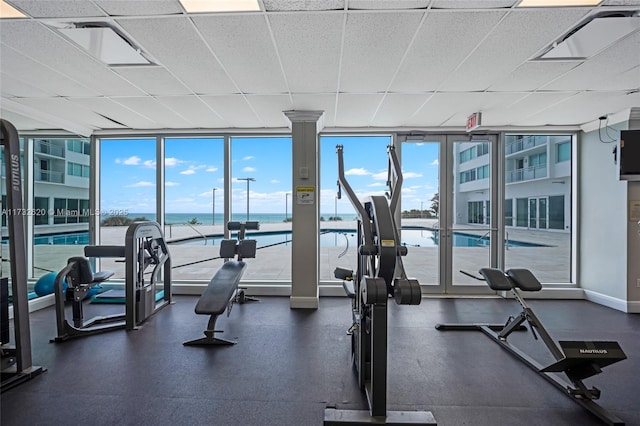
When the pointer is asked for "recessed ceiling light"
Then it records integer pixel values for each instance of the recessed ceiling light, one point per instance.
(106, 44)
(200, 6)
(8, 11)
(550, 3)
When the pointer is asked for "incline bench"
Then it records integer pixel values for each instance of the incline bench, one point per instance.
(223, 289)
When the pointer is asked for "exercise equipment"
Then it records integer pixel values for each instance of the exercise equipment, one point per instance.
(578, 360)
(17, 366)
(223, 289)
(379, 275)
(144, 247)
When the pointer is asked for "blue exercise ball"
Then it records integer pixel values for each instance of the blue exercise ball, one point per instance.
(45, 284)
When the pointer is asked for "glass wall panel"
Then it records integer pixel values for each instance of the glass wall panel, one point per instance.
(261, 191)
(127, 190)
(365, 163)
(194, 205)
(541, 239)
(61, 201)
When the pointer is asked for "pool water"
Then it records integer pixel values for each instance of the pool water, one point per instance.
(76, 238)
(344, 238)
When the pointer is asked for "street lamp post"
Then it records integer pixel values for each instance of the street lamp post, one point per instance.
(286, 206)
(213, 216)
(248, 180)
(421, 208)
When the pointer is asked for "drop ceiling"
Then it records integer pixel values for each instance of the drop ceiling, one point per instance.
(369, 64)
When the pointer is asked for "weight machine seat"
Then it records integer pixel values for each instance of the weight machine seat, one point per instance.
(524, 279)
(104, 251)
(496, 279)
(221, 288)
(82, 273)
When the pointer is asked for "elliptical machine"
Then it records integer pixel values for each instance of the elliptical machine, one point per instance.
(379, 275)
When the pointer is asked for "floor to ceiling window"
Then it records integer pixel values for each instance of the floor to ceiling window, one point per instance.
(194, 204)
(365, 164)
(261, 191)
(127, 190)
(538, 182)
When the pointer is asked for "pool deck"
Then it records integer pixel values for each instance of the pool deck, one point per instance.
(550, 263)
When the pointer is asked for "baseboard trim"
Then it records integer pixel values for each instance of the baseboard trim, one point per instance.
(633, 307)
(304, 302)
(610, 302)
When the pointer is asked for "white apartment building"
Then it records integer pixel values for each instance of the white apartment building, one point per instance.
(537, 182)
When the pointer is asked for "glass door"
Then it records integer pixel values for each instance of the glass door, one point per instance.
(469, 235)
(421, 158)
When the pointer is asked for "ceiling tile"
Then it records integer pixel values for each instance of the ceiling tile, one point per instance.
(396, 108)
(600, 72)
(313, 102)
(527, 104)
(388, 4)
(39, 75)
(235, 110)
(303, 5)
(510, 44)
(435, 53)
(35, 40)
(175, 43)
(70, 111)
(532, 75)
(165, 117)
(356, 110)
(23, 122)
(243, 45)
(139, 7)
(269, 109)
(582, 108)
(58, 8)
(117, 112)
(10, 87)
(309, 48)
(155, 81)
(471, 4)
(374, 44)
(195, 110)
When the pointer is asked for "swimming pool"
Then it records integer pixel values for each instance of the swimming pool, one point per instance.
(74, 238)
(347, 237)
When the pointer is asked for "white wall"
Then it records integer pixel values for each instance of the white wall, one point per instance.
(602, 219)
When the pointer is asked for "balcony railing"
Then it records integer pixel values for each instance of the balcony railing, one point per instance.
(525, 143)
(50, 176)
(44, 147)
(529, 173)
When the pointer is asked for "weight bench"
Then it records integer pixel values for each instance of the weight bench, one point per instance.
(223, 289)
(578, 360)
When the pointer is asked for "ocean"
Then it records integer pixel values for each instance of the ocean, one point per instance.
(205, 219)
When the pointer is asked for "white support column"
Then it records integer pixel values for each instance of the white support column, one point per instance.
(305, 126)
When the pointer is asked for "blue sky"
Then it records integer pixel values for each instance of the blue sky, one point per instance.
(194, 166)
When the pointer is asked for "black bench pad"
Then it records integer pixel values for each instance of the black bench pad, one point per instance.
(224, 283)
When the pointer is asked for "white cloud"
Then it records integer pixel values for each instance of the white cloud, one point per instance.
(171, 161)
(149, 163)
(188, 172)
(171, 184)
(409, 175)
(380, 176)
(248, 157)
(275, 181)
(141, 184)
(131, 161)
(357, 172)
(212, 169)
(435, 162)
(372, 185)
(249, 169)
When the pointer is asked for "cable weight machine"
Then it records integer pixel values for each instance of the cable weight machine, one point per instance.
(379, 276)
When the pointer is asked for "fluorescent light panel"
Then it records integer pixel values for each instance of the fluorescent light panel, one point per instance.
(106, 45)
(593, 38)
(551, 3)
(8, 11)
(201, 6)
